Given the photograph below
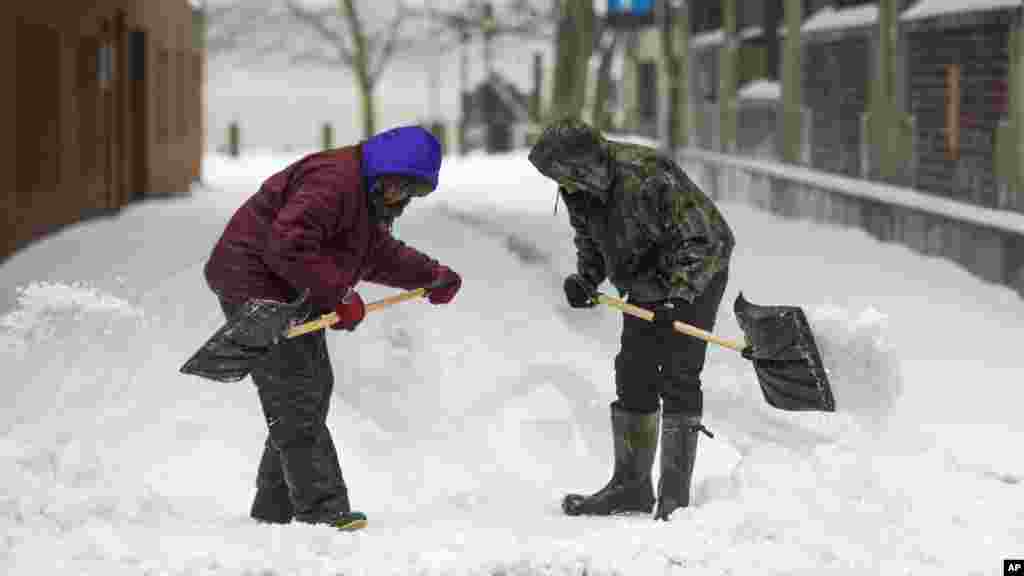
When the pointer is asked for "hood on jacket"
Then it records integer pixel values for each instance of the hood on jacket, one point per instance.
(573, 153)
(406, 151)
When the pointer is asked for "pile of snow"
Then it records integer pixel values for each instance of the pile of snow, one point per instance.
(863, 368)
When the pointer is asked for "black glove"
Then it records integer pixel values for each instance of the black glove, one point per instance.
(579, 291)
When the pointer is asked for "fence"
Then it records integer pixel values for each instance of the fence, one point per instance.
(988, 243)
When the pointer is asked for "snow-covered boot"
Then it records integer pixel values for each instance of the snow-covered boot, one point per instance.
(678, 453)
(630, 488)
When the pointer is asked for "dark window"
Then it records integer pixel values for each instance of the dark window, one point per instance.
(137, 55)
(88, 103)
(163, 108)
(647, 90)
(105, 65)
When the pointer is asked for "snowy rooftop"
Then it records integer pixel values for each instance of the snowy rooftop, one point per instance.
(829, 19)
(761, 90)
(716, 37)
(707, 39)
(932, 8)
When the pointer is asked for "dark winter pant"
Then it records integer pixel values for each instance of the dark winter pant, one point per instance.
(299, 462)
(653, 366)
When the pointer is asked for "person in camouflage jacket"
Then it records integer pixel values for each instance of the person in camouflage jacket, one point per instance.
(642, 224)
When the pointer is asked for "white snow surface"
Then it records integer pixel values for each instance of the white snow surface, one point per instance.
(830, 19)
(932, 8)
(460, 427)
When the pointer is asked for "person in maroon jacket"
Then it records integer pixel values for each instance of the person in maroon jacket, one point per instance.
(322, 225)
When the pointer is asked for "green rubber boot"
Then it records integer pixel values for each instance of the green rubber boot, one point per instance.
(630, 488)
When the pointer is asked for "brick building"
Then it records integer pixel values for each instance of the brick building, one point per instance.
(104, 107)
(958, 78)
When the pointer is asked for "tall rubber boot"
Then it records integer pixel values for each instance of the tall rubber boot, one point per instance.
(630, 488)
(678, 454)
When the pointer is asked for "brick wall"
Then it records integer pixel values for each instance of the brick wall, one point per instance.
(978, 45)
(836, 92)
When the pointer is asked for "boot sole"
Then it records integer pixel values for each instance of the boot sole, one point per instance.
(627, 510)
(351, 526)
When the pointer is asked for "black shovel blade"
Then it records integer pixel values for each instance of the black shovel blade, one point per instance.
(229, 355)
(785, 356)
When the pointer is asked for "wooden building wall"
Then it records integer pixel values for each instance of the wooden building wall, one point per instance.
(104, 109)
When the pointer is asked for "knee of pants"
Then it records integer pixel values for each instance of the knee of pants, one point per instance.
(286, 432)
(683, 395)
(637, 390)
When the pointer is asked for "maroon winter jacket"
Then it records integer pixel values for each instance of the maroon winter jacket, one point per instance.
(309, 227)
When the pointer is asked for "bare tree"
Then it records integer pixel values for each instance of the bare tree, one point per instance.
(607, 40)
(342, 37)
(574, 45)
(453, 27)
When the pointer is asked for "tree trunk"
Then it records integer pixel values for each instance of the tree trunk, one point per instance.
(602, 117)
(574, 43)
(561, 98)
(671, 60)
(585, 21)
(366, 87)
(361, 65)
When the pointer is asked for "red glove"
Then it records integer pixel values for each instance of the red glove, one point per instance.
(447, 276)
(351, 311)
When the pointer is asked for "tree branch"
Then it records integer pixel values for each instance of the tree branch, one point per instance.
(317, 21)
(389, 43)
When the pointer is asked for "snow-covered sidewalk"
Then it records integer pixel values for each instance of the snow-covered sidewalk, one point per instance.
(460, 427)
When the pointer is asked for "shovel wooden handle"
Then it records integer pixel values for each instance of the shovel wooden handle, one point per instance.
(332, 318)
(679, 326)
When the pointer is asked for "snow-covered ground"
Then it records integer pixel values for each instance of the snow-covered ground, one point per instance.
(460, 427)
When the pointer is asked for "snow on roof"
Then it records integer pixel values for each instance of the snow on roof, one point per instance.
(886, 193)
(707, 39)
(830, 19)
(932, 8)
(716, 37)
(760, 90)
(751, 32)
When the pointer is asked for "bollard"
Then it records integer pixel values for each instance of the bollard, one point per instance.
(327, 136)
(234, 139)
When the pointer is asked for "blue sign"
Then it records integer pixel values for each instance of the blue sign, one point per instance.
(630, 13)
(631, 7)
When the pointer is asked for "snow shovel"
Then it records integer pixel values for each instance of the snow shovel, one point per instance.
(780, 344)
(228, 356)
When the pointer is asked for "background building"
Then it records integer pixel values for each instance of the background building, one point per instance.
(104, 107)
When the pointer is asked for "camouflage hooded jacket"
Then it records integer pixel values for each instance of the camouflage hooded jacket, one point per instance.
(638, 219)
